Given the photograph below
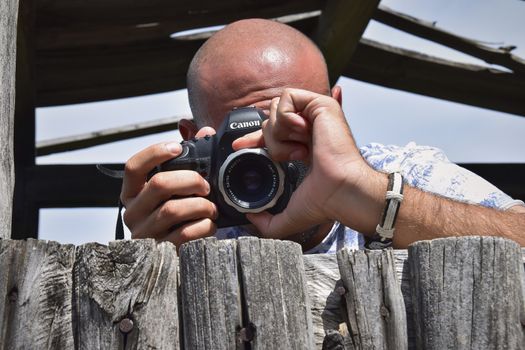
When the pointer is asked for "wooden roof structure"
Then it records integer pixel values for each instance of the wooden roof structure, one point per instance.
(72, 51)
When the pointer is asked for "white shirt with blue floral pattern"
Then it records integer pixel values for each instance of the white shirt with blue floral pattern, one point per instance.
(423, 167)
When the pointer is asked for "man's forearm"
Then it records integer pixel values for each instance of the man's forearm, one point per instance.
(424, 215)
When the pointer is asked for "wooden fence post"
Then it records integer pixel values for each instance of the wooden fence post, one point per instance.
(121, 296)
(250, 291)
(374, 303)
(210, 294)
(36, 284)
(8, 23)
(467, 293)
(126, 296)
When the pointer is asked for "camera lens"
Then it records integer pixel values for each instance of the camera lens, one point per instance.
(250, 181)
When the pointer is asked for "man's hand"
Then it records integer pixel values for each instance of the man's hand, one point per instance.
(340, 185)
(170, 206)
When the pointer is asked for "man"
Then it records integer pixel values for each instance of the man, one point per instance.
(251, 62)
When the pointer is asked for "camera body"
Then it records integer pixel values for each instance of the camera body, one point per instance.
(245, 181)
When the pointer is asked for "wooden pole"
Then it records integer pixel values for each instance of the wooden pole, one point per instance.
(245, 294)
(376, 320)
(25, 210)
(36, 282)
(210, 295)
(114, 284)
(8, 23)
(467, 293)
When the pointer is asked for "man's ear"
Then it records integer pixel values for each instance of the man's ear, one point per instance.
(187, 129)
(337, 93)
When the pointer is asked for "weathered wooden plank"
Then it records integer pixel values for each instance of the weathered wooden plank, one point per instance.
(37, 280)
(372, 62)
(8, 24)
(376, 320)
(429, 31)
(274, 291)
(323, 280)
(25, 213)
(211, 295)
(126, 296)
(327, 305)
(71, 24)
(415, 72)
(468, 293)
(82, 185)
(65, 186)
(101, 137)
(340, 27)
(36, 284)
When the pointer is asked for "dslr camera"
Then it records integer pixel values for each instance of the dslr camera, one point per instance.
(244, 181)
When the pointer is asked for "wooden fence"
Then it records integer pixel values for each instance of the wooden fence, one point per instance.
(455, 293)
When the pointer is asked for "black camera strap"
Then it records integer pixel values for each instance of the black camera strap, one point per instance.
(117, 174)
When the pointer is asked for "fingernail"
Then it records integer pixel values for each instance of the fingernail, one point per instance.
(174, 147)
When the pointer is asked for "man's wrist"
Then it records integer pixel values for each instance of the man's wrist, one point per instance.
(361, 203)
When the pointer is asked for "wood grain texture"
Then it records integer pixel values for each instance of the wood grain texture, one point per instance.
(135, 280)
(8, 25)
(322, 279)
(274, 292)
(427, 30)
(467, 293)
(66, 297)
(376, 320)
(211, 294)
(36, 284)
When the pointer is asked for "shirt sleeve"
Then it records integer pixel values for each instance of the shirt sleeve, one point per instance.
(429, 169)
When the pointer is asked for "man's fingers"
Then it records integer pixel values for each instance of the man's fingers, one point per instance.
(207, 130)
(191, 231)
(298, 216)
(174, 212)
(138, 167)
(163, 186)
(251, 140)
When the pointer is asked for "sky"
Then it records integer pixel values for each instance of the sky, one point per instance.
(375, 114)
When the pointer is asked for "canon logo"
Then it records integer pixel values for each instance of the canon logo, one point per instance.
(242, 125)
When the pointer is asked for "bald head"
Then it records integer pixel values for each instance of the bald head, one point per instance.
(248, 63)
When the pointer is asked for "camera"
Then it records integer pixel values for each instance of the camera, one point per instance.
(244, 181)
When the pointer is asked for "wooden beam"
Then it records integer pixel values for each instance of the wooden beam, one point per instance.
(122, 72)
(66, 24)
(8, 25)
(72, 186)
(429, 31)
(411, 71)
(25, 214)
(101, 137)
(82, 185)
(508, 177)
(340, 27)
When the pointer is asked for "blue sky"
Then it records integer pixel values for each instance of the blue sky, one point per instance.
(375, 114)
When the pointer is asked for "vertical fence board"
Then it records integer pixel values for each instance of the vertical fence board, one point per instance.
(323, 280)
(467, 293)
(376, 311)
(8, 23)
(35, 295)
(276, 301)
(133, 280)
(211, 296)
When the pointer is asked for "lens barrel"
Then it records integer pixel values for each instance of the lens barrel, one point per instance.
(250, 181)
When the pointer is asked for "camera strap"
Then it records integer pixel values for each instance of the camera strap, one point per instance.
(117, 174)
